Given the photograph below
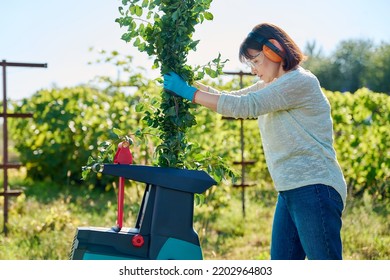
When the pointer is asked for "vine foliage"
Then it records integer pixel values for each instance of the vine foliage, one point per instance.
(164, 30)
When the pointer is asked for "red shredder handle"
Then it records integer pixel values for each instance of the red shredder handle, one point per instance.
(122, 156)
(121, 195)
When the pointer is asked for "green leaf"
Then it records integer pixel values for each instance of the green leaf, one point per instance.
(90, 160)
(133, 9)
(141, 47)
(213, 73)
(199, 199)
(194, 44)
(138, 11)
(139, 107)
(137, 41)
(149, 15)
(126, 37)
(85, 174)
(208, 16)
(145, 3)
(118, 132)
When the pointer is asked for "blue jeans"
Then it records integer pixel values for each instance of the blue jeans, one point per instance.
(307, 223)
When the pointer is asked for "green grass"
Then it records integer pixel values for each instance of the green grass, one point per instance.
(43, 220)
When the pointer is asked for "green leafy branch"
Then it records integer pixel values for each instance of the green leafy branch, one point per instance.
(163, 29)
(213, 68)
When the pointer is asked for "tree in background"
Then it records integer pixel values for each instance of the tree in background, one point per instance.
(351, 59)
(353, 65)
(322, 66)
(377, 76)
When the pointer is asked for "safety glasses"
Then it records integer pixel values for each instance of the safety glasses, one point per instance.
(258, 59)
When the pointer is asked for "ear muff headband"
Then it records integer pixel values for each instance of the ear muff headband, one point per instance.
(274, 53)
(271, 48)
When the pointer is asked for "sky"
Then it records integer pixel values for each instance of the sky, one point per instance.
(61, 34)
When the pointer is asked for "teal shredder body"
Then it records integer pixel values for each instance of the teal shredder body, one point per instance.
(164, 227)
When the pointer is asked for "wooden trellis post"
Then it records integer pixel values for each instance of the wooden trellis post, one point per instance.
(243, 162)
(7, 192)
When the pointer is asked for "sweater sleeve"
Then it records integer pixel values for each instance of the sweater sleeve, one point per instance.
(287, 92)
(253, 88)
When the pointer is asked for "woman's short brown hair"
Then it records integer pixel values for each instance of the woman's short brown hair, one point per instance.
(293, 56)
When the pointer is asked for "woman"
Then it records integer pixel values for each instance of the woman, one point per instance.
(297, 134)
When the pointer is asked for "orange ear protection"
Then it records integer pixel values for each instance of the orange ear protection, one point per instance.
(275, 52)
(271, 48)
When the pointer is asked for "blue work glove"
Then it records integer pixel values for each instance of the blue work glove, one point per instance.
(174, 83)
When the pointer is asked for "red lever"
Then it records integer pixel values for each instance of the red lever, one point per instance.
(122, 156)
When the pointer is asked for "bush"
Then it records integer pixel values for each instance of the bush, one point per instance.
(67, 127)
(362, 140)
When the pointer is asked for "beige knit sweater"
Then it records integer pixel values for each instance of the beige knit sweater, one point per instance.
(296, 129)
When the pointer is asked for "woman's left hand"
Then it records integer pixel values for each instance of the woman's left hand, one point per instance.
(174, 83)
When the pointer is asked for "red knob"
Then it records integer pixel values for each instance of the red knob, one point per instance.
(123, 154)
(138, 240)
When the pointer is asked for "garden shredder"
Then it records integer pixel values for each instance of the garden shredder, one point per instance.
(164, 226)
